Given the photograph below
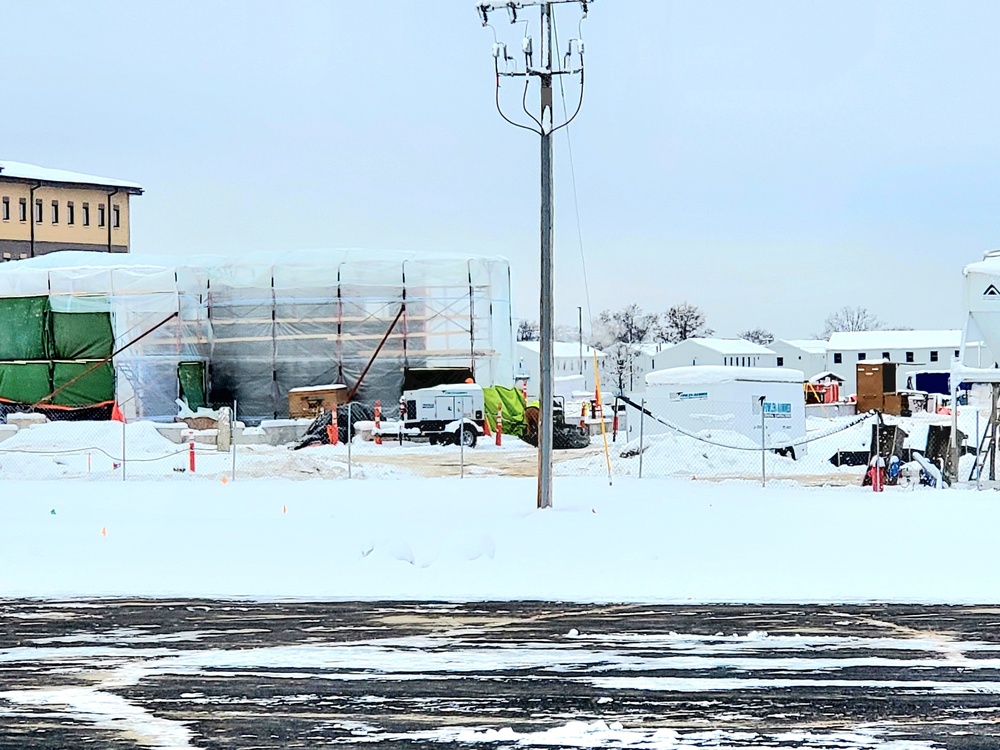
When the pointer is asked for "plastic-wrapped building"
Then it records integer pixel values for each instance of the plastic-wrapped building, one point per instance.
(245, 329)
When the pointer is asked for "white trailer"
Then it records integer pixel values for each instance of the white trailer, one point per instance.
(444, 414)
(731, 403)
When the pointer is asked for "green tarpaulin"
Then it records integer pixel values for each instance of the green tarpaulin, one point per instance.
(82, 335)
(24, 328)
(511, 402)
(191, 376)
(25, 382)
(93, 388)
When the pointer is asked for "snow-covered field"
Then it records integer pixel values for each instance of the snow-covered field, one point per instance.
(656, 540)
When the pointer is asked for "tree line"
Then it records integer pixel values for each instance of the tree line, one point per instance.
(632, 325)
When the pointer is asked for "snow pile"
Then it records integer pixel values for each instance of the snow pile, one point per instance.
(656, 540)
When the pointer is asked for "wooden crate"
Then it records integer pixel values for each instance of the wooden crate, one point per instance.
(309, 401)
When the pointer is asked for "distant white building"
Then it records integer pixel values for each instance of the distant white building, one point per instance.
(567, 361)
(912, 350)
(716, 352)
(808, 355)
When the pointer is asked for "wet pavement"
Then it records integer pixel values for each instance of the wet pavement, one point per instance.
(224, 674)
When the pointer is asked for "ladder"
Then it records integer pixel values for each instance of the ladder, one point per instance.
(988, 445)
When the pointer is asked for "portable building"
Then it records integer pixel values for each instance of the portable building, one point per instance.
(727, 352)
(728, 402)
(245, 329)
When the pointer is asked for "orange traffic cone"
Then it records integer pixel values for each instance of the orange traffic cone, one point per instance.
(116, 414)
(486, 427)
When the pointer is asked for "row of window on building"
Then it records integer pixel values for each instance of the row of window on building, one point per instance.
(740, 361)
(22, 212)
(838, 357)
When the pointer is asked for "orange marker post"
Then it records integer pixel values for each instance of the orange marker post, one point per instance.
(191, 457)
(378, 423)
(499, 425)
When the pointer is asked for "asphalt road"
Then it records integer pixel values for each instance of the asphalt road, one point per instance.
(210, 674)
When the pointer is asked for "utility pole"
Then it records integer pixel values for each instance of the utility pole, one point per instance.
(542, 124)
(579, 329)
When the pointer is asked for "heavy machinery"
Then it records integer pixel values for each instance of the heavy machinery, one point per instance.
(563, 435)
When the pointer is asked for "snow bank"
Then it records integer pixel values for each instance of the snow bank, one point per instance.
(650, 540)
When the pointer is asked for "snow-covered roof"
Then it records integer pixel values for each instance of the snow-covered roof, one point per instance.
(812, 346)
(827, 375)
(563, 349)
(708, 374)
(729, 346)
(20, 171)
(885, 340)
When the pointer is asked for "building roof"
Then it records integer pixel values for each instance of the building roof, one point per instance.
(708, 374)
(730, 346)
(31, 173)
(563, 349)
(812, 346)
(885, 340)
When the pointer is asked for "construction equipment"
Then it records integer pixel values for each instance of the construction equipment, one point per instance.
(564, 436)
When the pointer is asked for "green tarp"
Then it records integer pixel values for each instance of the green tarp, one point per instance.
(24, 328)
(82, 335)
(191, 376)
(511, 402)
(25, 382)
(93, 388)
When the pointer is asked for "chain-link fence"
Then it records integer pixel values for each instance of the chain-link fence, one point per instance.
(718, 440)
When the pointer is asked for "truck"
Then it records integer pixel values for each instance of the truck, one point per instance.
(443, 414)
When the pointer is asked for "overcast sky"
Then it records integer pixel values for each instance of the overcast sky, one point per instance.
(767, 161)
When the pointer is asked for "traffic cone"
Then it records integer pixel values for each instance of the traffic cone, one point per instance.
(486, 427)
(116, 413)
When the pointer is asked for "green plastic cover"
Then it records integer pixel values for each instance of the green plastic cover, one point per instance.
(511, 403)
(191, 376)
(94, 388)
(82, 335)
(25, 382)
(24, 328)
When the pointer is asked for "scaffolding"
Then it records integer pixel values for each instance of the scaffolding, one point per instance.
(265, 323)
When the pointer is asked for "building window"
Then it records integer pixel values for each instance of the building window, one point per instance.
(22, 210)
(55, 212)
(861, 356)
(85, 208)
(6, 208)
(38, 210)
(956, 354)
(886, 357)
(116, 218)
(909, 356)
(934, 356)
(100, 214)
(70, 213)
(781, 361)
(837, 358)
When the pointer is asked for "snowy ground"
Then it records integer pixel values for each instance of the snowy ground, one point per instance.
(655, 540)
(94, 450)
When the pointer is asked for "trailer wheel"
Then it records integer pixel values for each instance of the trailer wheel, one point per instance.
(467, 435)
(432, 439)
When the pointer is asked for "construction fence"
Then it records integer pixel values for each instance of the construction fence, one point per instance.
(728, 441)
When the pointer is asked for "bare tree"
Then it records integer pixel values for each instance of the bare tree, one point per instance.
(851, 319)
(758, 336)
(527, 330)
(683, 321)
(630, 325)
(620, 334)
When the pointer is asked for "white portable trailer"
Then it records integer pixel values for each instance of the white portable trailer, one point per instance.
(731, 403)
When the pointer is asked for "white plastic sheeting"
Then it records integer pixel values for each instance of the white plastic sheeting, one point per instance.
(265, 323)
